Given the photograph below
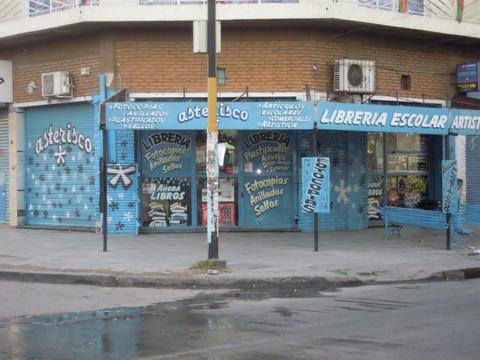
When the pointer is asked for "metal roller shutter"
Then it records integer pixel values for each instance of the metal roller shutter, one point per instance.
(4, 205)
(60, 166)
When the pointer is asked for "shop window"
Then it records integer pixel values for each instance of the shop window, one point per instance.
(227, 201)
(407, 191)
(408, 170)
(228, 139)
(166, 202)
(375, 152)
(267, 153)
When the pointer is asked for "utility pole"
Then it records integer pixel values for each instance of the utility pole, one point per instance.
(212, 136)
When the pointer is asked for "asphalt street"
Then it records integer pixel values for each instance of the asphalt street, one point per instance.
(412, 321)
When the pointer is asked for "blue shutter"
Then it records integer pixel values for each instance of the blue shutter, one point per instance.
(61, 170)
(4, 205)
(472, 149)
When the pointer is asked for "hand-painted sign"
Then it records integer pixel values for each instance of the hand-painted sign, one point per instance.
(193, 115)
(62, 136)
(167, 202)
(449, 187)
(6, 82)
(267, 152)
(465, 122)
(166, 153)
(382, 118)
(266, 193)
(316, 185)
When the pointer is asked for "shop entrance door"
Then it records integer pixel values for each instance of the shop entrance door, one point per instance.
(267, 188)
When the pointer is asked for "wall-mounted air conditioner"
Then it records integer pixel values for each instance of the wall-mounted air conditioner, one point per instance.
(57, 84)
(354, 76)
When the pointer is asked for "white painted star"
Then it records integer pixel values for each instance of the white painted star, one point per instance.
(109, 219)
(79, 198)
(121, 196)
(44, 157)
(54, 217)
(354, 206)
(85, 206)
(74, 189)
(74, 158)
(109, 199)
(49, 204)
(68, 215)
(342, 191)
(30, 207)
(44, 198)
(80, 156)
(64, 177)
(356, 188)
(54, 167)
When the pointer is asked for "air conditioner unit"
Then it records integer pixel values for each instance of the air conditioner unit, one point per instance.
(354, 76)
(57, 84)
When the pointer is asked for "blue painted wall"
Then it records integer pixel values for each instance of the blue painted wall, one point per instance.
(123, 202)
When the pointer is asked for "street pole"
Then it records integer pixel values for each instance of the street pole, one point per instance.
(212, 136)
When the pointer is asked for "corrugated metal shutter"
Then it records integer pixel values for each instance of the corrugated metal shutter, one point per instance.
(473, 169)
(4, 205)
(60, 166)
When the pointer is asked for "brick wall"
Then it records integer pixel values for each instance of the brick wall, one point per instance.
(262, 59)
(281, 60)
(31, 60)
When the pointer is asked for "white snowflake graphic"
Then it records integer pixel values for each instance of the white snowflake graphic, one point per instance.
(121, 195)
(343, 191)
(128, 216)
(109, 219)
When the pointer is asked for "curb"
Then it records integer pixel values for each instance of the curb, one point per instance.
(214, 282)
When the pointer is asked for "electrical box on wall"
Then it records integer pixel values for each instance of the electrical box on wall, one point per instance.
(354, 76)
(200, 36)
(57, 84)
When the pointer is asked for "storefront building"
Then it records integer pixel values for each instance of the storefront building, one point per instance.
(260, 169)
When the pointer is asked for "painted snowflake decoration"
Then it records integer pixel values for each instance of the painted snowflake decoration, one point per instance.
(343, 191)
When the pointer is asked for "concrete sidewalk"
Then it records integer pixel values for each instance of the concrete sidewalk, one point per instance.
(252, 258)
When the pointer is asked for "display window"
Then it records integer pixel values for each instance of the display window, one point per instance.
(407, 167)
(227, 201)
(228, 142)
(166, 202)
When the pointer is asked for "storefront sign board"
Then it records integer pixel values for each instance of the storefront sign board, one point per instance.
(382, 118)
(449, 187)
(278, 115)
(465, 122)
(316, 185)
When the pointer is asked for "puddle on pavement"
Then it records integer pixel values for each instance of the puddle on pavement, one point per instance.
(133, 332)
